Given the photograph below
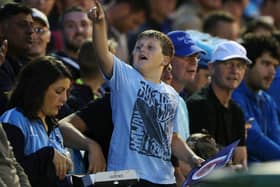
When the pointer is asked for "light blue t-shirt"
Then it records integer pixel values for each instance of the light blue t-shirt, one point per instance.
(144, 116)
(183, 115)
(35, 135)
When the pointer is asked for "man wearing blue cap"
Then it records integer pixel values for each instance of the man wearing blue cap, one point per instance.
(185, 60)
(184, 67)
(212, 108)
(202, 77)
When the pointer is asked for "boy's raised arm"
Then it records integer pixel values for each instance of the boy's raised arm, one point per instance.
(97, 15)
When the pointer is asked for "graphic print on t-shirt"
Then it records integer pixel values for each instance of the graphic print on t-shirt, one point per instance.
(151, 122)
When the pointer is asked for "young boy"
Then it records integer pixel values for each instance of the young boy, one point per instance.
(144, 109)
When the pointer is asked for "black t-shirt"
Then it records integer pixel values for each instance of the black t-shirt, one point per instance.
(98, 118)
(224, 124)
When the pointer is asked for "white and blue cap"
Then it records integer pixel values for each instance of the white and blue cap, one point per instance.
(183, 44)
(204, 58)
(205, 42)
(229, 50)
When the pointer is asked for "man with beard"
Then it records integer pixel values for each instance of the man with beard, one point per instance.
(76, 29)
(263, 141)
(184, 67)
(16, 26)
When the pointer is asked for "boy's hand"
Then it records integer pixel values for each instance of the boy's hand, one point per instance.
(196, 161)
(3, 51)
(96, 159)
(96, 13)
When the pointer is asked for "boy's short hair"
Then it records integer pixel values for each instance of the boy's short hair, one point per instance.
(166, 44)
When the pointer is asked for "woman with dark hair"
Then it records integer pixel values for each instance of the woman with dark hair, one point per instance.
(30, 124)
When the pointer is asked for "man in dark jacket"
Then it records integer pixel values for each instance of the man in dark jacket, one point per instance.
(16, 26)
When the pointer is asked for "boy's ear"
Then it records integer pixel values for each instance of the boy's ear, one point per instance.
(166, 60)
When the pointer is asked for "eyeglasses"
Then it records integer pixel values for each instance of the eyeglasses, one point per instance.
(39, 30)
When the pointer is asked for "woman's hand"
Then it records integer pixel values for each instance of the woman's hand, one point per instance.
(62, 164)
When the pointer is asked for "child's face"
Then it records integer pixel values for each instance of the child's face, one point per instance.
(147, 55)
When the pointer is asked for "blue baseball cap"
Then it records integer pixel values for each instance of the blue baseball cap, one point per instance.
(183, 44)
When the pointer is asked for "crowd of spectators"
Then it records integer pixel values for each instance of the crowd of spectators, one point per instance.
(100, 85)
